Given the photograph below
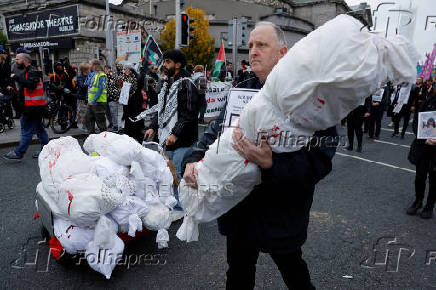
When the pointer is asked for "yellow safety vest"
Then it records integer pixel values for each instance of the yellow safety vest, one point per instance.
(94, 88)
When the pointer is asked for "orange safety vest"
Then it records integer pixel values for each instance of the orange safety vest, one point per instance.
(35, 97)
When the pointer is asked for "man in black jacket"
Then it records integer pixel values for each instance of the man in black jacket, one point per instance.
(32, 91)
(177, 120)
(274, 217)
(424, 151)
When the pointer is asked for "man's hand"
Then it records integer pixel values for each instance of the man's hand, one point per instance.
(260, 155)
(431, 142)
(366, 115)
(171, 140)
(149, 134)
(412, 108)
(190, 175)
(375, 104)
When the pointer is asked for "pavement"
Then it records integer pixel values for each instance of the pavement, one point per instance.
(11, 137)
(359, 236)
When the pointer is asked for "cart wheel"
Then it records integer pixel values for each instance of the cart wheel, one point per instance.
(11, 123)
(45, 234)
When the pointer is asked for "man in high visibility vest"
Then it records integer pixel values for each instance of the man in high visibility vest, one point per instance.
(32, 90)
(97, 98)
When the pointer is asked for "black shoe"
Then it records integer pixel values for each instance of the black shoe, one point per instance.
(350, 148)
(74, 125)
(417, 204)
(394, 135)
(12, 156)
(35, 154)
(359, 149)
(377, 137)
(402, 136)
(427, 212)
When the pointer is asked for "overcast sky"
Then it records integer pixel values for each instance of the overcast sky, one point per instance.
(421, 31)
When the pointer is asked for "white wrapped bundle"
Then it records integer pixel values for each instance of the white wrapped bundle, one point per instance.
(70, 184)
(58, 160)
(316, 84)
(121, 149)
(84, 198)
(128, 215)
(104, 260)
(148, 169)
(72, 237)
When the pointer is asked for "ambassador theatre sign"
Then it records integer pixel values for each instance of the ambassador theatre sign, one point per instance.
(51, 23)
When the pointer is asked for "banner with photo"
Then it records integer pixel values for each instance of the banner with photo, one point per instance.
(427, 125)
(238, 98)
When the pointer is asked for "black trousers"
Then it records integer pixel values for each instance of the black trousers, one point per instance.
(242, 259)
(422, 171)
(354, 126)
(405, 114)
(375, 121)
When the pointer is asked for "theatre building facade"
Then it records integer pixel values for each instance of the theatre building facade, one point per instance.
(73, 29)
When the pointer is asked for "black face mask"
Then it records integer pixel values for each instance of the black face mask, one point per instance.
(21, 66)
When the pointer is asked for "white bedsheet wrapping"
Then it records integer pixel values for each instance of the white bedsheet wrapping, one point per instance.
(316, 84)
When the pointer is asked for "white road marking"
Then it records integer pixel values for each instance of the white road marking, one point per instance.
(376, 162)
(391, 143)
(392, 130)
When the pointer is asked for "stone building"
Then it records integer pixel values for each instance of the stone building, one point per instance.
(296, 17)
(70, 28)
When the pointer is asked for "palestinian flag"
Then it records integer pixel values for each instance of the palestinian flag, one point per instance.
(151, 54)
(221, 58)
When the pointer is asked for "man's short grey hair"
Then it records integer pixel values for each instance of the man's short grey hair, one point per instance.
(279, 32)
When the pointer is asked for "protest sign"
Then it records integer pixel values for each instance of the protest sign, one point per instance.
(238, 98)
(216, 97)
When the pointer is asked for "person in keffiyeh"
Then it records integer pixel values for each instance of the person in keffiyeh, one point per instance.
(176, 123)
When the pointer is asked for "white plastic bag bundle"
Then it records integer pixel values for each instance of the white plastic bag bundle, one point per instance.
(60, 159)
(158, 218)
(315, 85)
(72, 237)
(104, 167)
(105, 231)
(128, 215)
(325, 76)
(218, 191)
(154, 167)
(84, 198)
(104, 260)
(121, 149)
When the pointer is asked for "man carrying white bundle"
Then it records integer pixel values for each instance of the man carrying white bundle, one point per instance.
(274, 217)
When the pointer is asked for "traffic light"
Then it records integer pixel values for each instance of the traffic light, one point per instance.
(185, 25)
(187, 28)
(46, 61)
(242, 32)
(98, 53)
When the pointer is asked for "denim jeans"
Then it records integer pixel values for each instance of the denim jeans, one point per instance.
(177, 157)
(28, 128)
(114, 106)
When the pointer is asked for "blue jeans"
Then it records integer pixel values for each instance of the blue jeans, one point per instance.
(28, 128)
(177, 157)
